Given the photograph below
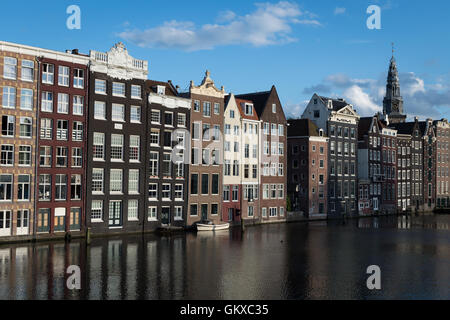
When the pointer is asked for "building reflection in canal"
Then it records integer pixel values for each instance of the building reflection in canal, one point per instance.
(320, 260)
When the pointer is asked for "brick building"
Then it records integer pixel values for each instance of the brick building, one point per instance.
(442, 128)
(307, 168)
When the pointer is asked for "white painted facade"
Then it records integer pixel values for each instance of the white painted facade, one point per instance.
(233, 146)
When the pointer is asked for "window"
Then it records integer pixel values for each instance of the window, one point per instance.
(97, 181)
(24, 155)
(264, 212)
(156, 116)
(274, 108)
(205, 184)
(9, 97)
(118, 89)
(168, 139)
(205, 157)
(207, 109)
(8, 123)
(166, 193)
(26, 127)
(316, 113)
(273, 212)
(24, 188)
(133, 181)
(78, 105)
(194, 210)
(154, 138)
(7, 155)
(116, 177)
(206, 132)
(167, 165)
(152, 214)
(118, 113)
(97, 210)
(235, 193)
(214, 209)
(255, 171)
(181, 120)
(45, 156)
(179, 192)
(99, 110)
(61, 157)
(63, 76)
(48, 73)
(235, 168)
(168, 119)
(154, 157)
(133, 207)
(10, 68)
(216, 108)
(247, 151)
(153, 191)
(63, 103)
(280, 130)
(77, 158)
(274, 129)
(116, 147)
(27, 70)
(61, 187)
(215, 184)
(62, 130)
(136, 92)
(45, 183)
(100, 86)
(26, 99)
(135, 142)
(75, 187)
(273, 191)
(248, 109)
(280, 169)
(194, 184)
(77, 132)
(281, 149)
(196, 106)
(232, 114)
(99, 146)
(6, 187)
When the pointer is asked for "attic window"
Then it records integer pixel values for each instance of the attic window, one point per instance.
(161, 90)
(316, 114)
(274, 108)
(320, 133)
(248, 109)
(315, 101)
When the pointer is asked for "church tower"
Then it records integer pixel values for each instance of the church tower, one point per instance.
(393, 101)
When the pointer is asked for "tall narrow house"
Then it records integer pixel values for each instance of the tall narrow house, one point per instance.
(442, 163)
(168, 123)
(18, 85)
(273, 159)
(340, 122)
(206, 145)
(117, 142)
(307, 168)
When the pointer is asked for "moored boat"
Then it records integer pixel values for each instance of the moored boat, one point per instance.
(212, 227)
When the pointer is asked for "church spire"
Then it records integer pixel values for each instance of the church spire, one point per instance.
(393, 101)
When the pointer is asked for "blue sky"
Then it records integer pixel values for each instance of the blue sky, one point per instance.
(300, 46)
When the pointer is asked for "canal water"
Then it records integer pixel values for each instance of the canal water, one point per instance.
(320, 260)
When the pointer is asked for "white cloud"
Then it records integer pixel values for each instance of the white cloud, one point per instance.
(269, 24)
(362, 101)
(339, 11)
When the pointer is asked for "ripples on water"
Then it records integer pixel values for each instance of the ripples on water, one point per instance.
(320, 260)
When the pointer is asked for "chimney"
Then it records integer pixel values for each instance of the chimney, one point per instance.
(75, 51)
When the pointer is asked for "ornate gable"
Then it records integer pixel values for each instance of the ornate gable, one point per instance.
(207, 88)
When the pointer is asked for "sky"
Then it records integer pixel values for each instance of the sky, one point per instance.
(301, 47)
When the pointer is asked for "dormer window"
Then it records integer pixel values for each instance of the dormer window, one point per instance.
(161, 90)
(315, 101)
(320, 133)
(249, 109)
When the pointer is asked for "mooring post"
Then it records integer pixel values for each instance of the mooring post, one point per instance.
(88, 236)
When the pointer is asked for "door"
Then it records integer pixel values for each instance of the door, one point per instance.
(204, 212)
(23, 218)
(165, 216)
(60, 220)
(115, 213)
(375, 204)
(230, 214)
(75, 216)
(43, 223)
(5, 223)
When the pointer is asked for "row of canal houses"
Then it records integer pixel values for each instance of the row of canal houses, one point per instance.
(341, 164)
(88, 142)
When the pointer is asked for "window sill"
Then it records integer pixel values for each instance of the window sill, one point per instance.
(97, 221)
